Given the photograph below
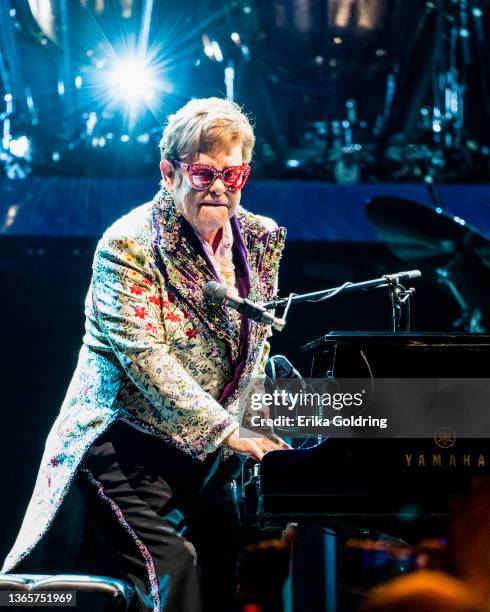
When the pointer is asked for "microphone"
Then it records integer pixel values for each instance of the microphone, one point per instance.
(403, 277)
(279, 366)
(215, 293)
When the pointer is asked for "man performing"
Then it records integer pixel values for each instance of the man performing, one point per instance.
(138, 467)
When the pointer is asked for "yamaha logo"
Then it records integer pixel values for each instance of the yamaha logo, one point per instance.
(445, 437)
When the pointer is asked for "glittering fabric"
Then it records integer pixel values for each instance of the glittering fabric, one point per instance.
(154, 352)
(145, 553)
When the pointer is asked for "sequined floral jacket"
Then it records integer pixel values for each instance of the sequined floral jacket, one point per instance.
(154, 352)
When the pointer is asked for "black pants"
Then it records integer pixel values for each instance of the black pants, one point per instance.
(169, 522)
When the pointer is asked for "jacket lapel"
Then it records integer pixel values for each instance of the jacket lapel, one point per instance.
(264, 249)
(186, 268)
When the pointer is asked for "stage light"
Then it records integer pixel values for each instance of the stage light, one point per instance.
(358, 14)
(230, 81)
(91, 123)
(217, 51)
(10, 216)
(133, 81)
(20, 147)
(9, 104)
(211, 48)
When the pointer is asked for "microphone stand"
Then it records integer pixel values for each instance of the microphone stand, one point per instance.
(399, 296)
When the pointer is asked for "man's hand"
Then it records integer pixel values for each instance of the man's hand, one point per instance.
(254, 447)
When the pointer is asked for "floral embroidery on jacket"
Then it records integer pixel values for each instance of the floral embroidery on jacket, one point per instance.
(154, 353)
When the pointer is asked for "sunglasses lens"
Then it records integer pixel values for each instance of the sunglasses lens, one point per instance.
(235, 178)
(202, 177)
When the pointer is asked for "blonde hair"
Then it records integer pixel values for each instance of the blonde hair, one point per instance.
(202, 125)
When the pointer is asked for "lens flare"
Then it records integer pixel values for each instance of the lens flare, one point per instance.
(133, 80)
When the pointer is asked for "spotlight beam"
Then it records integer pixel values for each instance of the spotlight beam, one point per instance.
(145, 26)
(132, 80)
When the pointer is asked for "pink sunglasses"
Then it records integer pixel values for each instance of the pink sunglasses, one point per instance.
(201, 177)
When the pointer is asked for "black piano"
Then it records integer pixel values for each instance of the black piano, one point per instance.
(370, 481)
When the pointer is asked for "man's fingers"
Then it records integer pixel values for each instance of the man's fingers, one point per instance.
(256, 451)
(267, 444)
(255, 448)
(280, 443)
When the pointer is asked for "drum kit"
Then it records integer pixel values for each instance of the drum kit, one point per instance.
(449, 251)
(421, 125)
(421, 131)
(384, 91)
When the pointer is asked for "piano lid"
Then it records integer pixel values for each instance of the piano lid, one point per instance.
(406, 338)
(401, 354)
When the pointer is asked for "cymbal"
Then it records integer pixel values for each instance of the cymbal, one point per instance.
(424, 234)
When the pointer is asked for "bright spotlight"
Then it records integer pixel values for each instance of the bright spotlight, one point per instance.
(20, 147)
(133, 81)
